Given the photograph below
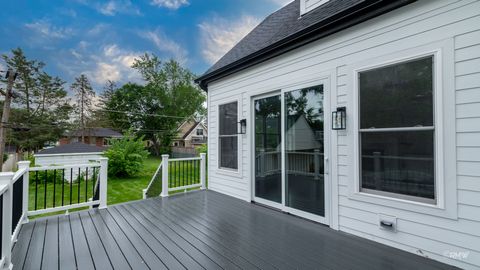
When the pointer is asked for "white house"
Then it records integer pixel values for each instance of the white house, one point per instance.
(405, 171)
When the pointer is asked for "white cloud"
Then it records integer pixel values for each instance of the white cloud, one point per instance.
(170, 4)
(166, 45)
(219, 35)
(45, 29)
(112, 7)
(108, 62)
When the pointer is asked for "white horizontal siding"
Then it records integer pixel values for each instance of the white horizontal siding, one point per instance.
(418, 24)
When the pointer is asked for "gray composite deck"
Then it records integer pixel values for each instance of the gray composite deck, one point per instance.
(198, 230)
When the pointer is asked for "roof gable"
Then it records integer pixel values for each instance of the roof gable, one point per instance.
(285, 30)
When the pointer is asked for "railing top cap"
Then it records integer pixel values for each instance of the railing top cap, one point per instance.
(3, 188)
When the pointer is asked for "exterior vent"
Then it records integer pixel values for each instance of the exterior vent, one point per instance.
(388, 223)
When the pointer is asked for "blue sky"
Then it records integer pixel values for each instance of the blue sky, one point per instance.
(101, 38)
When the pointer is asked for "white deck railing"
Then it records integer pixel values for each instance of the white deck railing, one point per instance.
(177, 174)
(302, 163)
(15, 192)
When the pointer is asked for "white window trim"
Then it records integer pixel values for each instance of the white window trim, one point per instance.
(223, 170)
(446, 204)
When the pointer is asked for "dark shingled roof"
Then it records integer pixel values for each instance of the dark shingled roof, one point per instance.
(72, 148)
(286, 25)
(96, 132)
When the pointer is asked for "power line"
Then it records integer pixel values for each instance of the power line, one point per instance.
(147, 114)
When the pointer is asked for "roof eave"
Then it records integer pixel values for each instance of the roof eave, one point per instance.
(343, 20)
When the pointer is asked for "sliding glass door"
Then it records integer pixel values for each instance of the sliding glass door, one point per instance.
(268, 148)
(289, 151)
(304, 150)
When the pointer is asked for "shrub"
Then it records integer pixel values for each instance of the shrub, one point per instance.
(126, 156)
(202, 149)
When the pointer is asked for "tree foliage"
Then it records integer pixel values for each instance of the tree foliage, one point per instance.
(155, 110)
(126, 156)
(41, 110)
(84, 95)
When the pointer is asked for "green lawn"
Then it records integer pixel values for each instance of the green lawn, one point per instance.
(130, 189)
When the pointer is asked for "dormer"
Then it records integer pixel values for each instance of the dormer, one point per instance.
(309, 5)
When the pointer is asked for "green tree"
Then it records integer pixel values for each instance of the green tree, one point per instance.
(155, 109)
(84, 95)
(126, 156)
(100, 117)
(26, 84)
(41, 108)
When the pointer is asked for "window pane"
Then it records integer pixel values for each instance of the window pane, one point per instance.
(228, 119)
(397, 96)
(228, 152)
(399, 162)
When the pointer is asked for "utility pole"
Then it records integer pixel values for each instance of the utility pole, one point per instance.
(11, 76)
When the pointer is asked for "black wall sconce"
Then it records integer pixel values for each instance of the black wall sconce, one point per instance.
(339, 119)
(243, 126)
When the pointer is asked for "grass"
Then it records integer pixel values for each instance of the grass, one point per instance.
(130, 189)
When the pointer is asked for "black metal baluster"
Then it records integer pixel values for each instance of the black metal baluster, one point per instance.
(71, 183)
(86, 184)
(177, 175)
(45, 191)
(194, 172)
(78, 185)
(63, 186)
(183, 173)
(54, 186)
(190, 170)
(36, 189)
(94, 179)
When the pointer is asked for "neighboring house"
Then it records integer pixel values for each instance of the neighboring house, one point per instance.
(405, 171)
(191, 134)
(92, 136)
(68, 154)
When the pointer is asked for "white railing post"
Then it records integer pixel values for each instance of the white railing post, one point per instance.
(6, 179)
(164, 176)
(316, 162)
(203, 170)
(26, 184)
(103, 182)
(262, 162)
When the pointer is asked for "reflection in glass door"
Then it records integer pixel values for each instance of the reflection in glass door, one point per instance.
(304, 150)
(268, 149)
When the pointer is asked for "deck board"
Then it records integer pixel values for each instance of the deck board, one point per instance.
(50, 249)
(66, 252)
(198, 230)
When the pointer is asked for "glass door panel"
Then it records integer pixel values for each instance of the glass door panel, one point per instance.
(268, 149)
(304, 150)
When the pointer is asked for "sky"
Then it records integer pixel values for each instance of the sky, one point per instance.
(102, 38)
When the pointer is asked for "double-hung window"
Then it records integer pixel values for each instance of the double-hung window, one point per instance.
(397, 130)
(228, 138)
